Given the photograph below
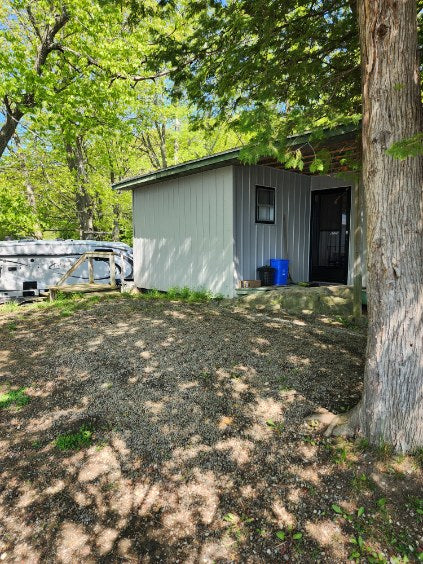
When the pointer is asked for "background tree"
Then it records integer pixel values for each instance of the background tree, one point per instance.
(274, 68)
(46, 53)
(96, 114)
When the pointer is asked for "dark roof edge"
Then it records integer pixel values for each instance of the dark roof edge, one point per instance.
(211, 161)
(221, 159)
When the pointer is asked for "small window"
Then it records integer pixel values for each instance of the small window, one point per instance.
(265, 205)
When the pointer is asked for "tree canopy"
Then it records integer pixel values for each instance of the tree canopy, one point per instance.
(270, 68)
(82, 107)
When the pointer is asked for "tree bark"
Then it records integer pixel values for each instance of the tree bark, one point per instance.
(161, 132)
(116, 222)
(30, 196)
(83, 200)
(391, 410)
(9, 126)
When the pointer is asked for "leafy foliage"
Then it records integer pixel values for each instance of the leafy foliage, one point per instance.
(411, 147)
(269, 67)
(86, 114)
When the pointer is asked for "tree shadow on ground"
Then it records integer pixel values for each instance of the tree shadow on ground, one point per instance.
(200, 449)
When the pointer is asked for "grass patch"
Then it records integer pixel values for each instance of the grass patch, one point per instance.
(17, 398)
(10, 307)
(67, 304)
(347, 322)
(75, 441)
(184, 294)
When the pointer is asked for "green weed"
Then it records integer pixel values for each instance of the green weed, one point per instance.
(360, 522)
(289, 535)
(418, 457)
(205, 375)
(384, 451)
(308, 439)
(416, 503)
(362, 444)
(237, 525)
(184, 294)
(361, 482)
(340, 455)
(75, 441)
(347, 322)
(276, 426)
(17, 398)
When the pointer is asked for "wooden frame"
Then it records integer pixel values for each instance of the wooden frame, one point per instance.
(91, 286)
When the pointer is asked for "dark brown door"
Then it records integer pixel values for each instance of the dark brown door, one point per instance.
(330, 224)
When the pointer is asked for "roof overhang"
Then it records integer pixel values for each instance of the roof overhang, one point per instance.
(217, 160)
(339, 142)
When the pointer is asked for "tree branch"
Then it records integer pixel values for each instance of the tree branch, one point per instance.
(91, 61)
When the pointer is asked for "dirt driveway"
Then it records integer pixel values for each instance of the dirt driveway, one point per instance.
(197, 450)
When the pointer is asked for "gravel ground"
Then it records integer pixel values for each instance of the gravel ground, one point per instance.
(201, 452)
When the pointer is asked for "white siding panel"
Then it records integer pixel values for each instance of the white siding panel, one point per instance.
(183, 232)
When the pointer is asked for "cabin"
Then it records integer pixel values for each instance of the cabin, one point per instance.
(213, 221)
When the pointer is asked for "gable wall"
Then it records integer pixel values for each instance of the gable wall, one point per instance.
(183, 232)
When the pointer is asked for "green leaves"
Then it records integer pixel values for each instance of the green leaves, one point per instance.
(270, 69)
(230, 518)
(282, 535)
(276, 426)
(411, 147)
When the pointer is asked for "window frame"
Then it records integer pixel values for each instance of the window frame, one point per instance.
(270, 188)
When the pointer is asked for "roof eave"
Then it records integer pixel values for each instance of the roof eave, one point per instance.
(227, 158)
(183, 169)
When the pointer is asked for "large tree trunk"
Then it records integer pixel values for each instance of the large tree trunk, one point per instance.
(116, 222)
(391, 410)
(83, 199)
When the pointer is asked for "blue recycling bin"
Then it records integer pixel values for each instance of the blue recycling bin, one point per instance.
(282, 268)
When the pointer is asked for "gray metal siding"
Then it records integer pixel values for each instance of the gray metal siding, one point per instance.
(183, 232)
(257, 243)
